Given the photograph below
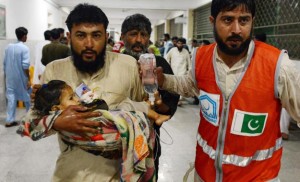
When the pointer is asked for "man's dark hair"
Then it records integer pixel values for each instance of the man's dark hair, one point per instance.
(204, 42)
(167, 36)
(227, 5)
(182, 40)
(110, 40)
(47, 35)
(21, 32)
(47, 96)
(55, 34)
(175, 38)
(136, 22)
(61, 30)
(195, 41)
(261, 37)
(86, 13)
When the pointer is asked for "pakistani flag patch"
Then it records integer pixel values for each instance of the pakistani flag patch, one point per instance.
(248, 123)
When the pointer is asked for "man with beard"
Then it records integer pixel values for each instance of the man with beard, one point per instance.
(114, 77)
(179, 60)
(243, 85)
(136, 30)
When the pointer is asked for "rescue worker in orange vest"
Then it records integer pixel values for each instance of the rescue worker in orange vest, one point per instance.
(242, 85)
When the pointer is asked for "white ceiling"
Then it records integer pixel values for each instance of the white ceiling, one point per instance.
(155, 10)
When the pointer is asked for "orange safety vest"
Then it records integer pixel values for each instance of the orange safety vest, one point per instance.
(241, 142)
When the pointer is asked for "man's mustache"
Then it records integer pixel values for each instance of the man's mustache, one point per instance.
(234, 37)
(138, 45)
(88, 51)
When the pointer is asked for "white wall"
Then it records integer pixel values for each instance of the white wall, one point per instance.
(33, 15)
(175, 15)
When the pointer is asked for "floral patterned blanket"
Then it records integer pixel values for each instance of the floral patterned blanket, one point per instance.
(124, 134)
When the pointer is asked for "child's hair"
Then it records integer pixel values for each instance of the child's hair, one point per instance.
(47, 96)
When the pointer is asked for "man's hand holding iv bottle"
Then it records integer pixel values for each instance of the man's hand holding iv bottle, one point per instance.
(149, 80)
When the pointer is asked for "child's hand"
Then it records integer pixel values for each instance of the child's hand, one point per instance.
(157, 101)
(161, 119)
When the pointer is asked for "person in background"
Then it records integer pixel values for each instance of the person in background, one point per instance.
(118, 46)
(160, 45)
(204, 42)
(110, 44)
(114, 77)
(179, 58)
(241, 92)
(180, 62)
(65, 41)
(194, 45)
(184, 44)
(261, 37)
(167, 44)
(38, 66)
(135, 32)
(16, 72)
(54, 50)
(174, 43)
(61, 35)
(153, 49)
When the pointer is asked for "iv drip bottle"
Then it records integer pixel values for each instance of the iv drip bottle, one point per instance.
(149, 79)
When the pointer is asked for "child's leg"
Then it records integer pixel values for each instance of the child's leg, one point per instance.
(158, 118)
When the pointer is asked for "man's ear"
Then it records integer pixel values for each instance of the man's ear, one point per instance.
(212, 20)
(122, 36)
(69, 36)
(55, 108)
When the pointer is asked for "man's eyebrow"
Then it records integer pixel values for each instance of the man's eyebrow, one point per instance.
(97, 31)
(245, 16)
(79, 31)
(227, 15)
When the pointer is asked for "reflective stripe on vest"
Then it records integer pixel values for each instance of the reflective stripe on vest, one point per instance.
(236, 160)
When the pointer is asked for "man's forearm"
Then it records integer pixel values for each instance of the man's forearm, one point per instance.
(182, 85)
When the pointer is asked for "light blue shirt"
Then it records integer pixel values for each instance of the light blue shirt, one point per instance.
(16, 60)
(167, 46)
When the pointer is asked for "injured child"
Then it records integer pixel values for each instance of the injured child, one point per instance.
(123, 134)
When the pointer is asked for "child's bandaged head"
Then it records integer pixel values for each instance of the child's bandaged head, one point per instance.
(92, 100)
(88, 97)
